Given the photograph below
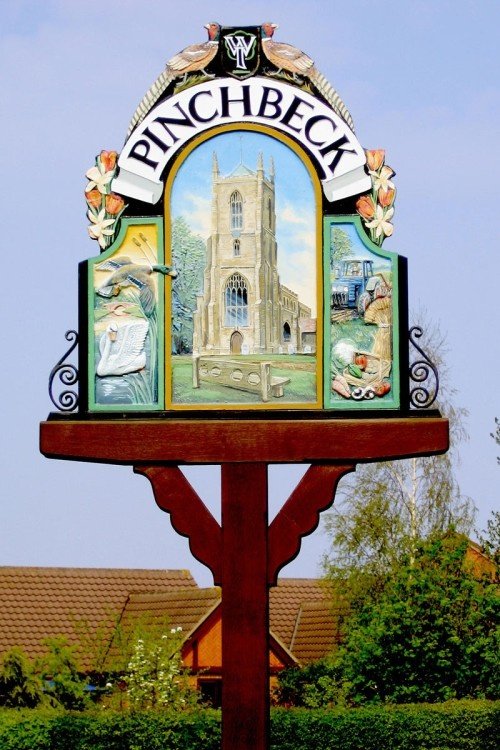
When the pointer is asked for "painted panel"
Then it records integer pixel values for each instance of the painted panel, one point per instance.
(244, 226)
(126, 321)
(361, 319)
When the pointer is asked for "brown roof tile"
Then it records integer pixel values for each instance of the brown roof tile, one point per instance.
(285, 601)
(184, 609)
(39, 603)
(317, 631)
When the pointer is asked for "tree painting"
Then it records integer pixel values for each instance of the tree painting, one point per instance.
(341, 247)
(188, 258)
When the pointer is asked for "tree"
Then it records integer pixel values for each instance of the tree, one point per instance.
(188, 256)
(63, 683)
(341, 247)
(490, 539)
(317, 685)
(496, 435)
(432, 635)
(385, 509)
(155, 677)
(20, 686)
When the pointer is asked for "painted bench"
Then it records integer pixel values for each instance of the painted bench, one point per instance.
(244, 375)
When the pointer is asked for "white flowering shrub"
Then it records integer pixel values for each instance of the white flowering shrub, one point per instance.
(155, 677)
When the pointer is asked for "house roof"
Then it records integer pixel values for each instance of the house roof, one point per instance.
(184, 608)
(317, 630)
(307, 325)
(285, 601)
(38, 603)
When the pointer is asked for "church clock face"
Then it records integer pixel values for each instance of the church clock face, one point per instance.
(243, 231)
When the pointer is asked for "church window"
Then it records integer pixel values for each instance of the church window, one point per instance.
(269, 214)
(236, 247)
(236, 204)
(236, 299)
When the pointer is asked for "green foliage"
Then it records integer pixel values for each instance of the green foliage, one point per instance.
(341, 246)
(37, 730)
(63, 684)
(490, 539)
(188, 256)
(452, 726)
(317, 685)
(460, 725)
(155, 677)
(20, 687)
(432, 635)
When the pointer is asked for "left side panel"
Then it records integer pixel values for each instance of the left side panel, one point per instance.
(125, 314)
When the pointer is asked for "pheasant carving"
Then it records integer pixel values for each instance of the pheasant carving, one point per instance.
(286, 57)
(196, 57)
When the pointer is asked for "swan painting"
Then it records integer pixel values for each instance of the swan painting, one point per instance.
(122, 348)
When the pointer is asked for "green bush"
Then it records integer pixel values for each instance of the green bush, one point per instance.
(458, 725)
(148, 730)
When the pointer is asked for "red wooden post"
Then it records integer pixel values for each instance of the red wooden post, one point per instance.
(245, 608)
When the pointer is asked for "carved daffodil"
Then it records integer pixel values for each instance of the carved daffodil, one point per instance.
(381, 179)
(381, 223)
(100, 228)
(98, 178)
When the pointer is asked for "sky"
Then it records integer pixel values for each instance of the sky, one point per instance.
(421, 79)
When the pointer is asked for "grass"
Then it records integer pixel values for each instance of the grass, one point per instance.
(301, 389)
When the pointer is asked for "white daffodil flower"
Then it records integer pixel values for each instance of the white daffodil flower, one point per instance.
(98, 179)
(381, 179)
(381, 222)
(100, 227)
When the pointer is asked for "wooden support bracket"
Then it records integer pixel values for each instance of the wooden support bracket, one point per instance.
(188, 513)
(299, 516)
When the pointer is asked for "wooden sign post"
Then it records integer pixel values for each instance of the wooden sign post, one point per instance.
(266, 326)
(244, 553)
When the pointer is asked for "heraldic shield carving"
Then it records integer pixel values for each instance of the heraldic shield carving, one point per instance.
(240, 232)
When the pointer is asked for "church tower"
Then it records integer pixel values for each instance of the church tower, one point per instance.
(240, 308)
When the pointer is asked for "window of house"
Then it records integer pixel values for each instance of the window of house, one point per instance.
(236, 301)
(236, 205)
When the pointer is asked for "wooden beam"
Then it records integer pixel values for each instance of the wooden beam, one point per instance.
(196, 441)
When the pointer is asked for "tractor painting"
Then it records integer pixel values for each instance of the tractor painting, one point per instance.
(355, 285)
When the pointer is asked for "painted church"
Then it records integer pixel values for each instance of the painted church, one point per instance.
(244, 309)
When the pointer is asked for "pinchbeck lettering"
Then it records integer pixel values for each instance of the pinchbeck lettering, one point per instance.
(336, 152)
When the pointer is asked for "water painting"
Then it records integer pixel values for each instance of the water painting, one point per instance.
(361, 287)
(126, 299)
(244, 238)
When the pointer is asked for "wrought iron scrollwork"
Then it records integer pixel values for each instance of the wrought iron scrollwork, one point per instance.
(421, 397)
(67, 374)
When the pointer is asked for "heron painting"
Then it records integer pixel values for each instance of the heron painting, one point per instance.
(126, 287)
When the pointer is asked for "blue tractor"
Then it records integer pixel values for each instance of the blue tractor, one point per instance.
(355, 285)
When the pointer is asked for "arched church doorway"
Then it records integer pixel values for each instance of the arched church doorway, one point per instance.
(236, 342)
(287, 334)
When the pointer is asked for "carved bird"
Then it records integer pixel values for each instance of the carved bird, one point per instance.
(127, 273)
(193, 58)
(122, 348)
(292, 60)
